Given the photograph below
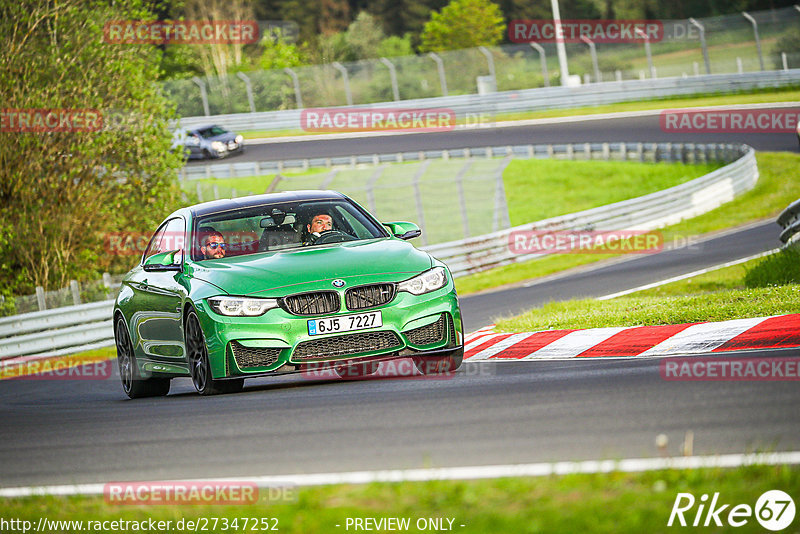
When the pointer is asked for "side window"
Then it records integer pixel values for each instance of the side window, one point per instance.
(174, 236)
(155, 241)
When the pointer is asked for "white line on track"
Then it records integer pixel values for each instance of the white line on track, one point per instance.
(688, 275)
(631, 465)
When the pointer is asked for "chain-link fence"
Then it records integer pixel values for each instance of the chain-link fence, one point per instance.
(717, 45)
(447, 199)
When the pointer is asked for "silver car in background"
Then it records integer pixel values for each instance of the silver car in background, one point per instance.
(207, 142)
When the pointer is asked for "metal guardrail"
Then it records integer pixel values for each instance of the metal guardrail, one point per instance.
(648, 212)
(789, 220)
(77, 328)
(51, 332)
(543, 98)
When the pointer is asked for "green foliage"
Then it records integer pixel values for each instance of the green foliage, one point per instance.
(279, 54)
(778, 269)
(62, 193)
(463, 24)
(395, 46)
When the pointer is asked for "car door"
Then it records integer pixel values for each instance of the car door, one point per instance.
(159, 295)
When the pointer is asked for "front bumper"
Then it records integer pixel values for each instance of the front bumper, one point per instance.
(278, 341)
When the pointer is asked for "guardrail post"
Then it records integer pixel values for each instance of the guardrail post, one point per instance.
(758, 41)
(739, 66)
(393, 77)
(249, 88)
(203, 95)
(40, 298)
(346, 79)
(784, 61)
(440, 68)
(543, 59)
(606, 151)
(623, 152)
(702, 43)
(571, 151)
(296, 81)
(587, 151)
(76, 292)
(216, 192)
(199, 192)
(107, 280)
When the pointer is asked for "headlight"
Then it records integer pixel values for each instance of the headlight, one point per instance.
(239, 139)
(425, 282)
(241, 306)
(219, 146)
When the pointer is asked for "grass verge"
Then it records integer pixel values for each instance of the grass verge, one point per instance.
(759, 287)
(776, 189)
(612, 502)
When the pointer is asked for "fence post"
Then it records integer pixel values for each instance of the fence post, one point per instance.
(500, 206)
(440, 68)
(593, 51)
(543, 58)
(461, 199)
(249, 88)
(297, 96)
(346, 79)
(107, 280)
(392, 77)
(490, 60)
(203, 94)
(418, 198)
(758, 41)
(40, 298)
(376, 174)
(702, 43)
(76, 292)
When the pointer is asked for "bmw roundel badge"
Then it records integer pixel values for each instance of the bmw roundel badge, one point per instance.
(338, 283)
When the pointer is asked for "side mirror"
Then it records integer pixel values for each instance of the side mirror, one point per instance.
(403, 230)
(164, 261)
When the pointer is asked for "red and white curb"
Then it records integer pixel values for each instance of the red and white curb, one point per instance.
(780, 331)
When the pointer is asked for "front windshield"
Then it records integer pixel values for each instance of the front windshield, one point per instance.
(212, 131)
(281, 226)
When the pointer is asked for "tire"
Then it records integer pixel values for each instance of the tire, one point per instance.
(434, 365)
(199, 365)
(133, 384)
(357, 370)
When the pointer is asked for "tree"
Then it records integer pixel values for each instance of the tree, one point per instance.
(63, 193)
(279, 54)
(463, 24)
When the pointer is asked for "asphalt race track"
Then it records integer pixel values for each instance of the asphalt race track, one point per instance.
(75, 431)
(633, 129)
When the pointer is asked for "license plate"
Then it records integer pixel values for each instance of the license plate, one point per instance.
(345, 323)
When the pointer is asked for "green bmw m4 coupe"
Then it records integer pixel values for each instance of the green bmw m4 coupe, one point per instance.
(281, 283)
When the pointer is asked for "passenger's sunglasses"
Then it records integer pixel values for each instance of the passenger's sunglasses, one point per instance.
(213, 246)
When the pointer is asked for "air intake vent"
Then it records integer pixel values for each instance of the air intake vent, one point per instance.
(253, 356)
(317, 303)
(364, 297)
(346, 345)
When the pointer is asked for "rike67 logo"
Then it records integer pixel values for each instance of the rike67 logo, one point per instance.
(774, 510)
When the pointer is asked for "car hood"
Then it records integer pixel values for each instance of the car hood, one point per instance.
(227, 136)
(282, 273)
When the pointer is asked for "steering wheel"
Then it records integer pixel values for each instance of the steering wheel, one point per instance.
(331, 236)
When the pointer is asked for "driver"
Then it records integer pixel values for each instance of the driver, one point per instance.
(321, 222)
